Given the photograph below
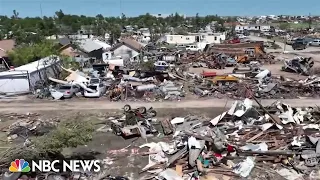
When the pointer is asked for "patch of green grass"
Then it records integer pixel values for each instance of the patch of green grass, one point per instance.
(299, 25)
(295, 26)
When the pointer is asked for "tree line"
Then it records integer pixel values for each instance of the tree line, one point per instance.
(29, 33)
(31, 29)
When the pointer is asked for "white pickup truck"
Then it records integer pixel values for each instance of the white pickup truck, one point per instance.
(192, 48)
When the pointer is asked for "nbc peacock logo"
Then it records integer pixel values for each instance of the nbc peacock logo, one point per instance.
(19, 165)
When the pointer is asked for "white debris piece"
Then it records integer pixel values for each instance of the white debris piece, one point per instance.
(244, 168)
(169, 174)
(255, 147)
(192, 142)
(56, 94)
(157, 154)
(177, 120)
(289, 174)
(216, 120)
(297, 141)
(312, 126)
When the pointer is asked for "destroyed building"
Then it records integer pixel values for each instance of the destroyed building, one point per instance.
(25, 78)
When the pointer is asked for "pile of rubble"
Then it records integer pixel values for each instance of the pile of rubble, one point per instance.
(170, 78)
(27, 125)
(244, 82)
(300, 65)
(279, 139)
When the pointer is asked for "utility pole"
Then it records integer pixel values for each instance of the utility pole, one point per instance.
(41, 9)
(120, 8)
(310, 21)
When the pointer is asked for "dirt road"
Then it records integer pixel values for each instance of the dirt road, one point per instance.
(285, 47)
(105, 105)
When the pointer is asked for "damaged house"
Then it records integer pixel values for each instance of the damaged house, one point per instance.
(5, 46)
(23, 79)
(90, 48)
(66, 47)
(128, 49)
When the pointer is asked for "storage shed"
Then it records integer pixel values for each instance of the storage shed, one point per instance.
(23, 79)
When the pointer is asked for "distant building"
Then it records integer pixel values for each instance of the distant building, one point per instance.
(160, 15)
(128, 29)
(66, 48)
(5, 46)
(91, 48)
(180, 39)
(253, 27)
(128, 49)
(166, 15)
(231, 24)
(210, 38)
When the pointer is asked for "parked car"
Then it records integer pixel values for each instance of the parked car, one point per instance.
(308, 40)
(162, 65)
(241, 36)
(290, 41)
(231, 62)
(315, 42)
(94, 81)
(234, 41)
(68, 90)
(99, 89)
(300, 44)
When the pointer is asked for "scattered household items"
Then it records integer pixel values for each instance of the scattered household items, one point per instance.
(135, 122)
(299, 65)
(28, 125)
(168, 75)
(240, 142)
(245, 140)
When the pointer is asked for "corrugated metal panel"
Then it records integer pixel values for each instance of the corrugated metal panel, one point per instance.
(16, 82)
(40, 64)
(89, 45)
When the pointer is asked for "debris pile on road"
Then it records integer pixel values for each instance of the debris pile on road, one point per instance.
(27, 125)
(241, 140)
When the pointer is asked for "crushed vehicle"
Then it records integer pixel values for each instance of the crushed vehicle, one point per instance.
(68, 90)
(99, 90)
(136, 122)
(299, 65)
(212, 64)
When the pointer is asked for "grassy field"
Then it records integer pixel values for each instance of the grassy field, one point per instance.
(296, 26)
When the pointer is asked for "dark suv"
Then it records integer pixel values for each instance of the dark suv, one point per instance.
(300, 44)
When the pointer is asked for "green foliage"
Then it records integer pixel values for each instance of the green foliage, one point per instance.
(62, 23)
(284, 26)
(147, 66)
(29, 53)
(68, 134)
(69, 62)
